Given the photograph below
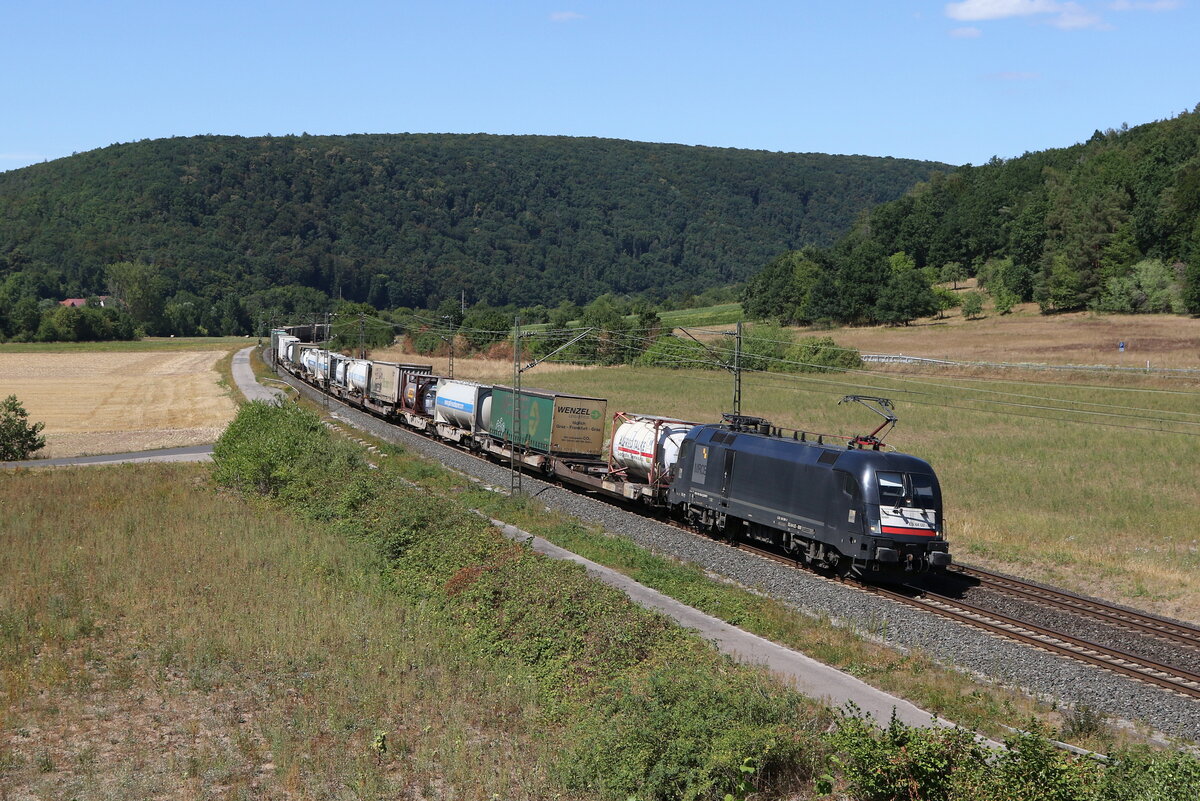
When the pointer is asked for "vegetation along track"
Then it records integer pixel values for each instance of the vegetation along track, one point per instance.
(1182, 681)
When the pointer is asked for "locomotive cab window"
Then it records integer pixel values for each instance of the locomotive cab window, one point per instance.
(906, 489)
(849, 485)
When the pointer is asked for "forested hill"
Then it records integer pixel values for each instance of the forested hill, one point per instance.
(1112, 223)
(407, 220)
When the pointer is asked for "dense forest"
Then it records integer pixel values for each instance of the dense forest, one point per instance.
(1111, 224)
(221, 230)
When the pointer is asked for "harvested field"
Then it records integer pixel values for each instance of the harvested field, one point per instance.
(113, 401)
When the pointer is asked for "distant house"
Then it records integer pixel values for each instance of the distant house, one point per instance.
(75, 303)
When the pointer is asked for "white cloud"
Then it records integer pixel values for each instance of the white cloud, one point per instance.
(966, 33)
(975, 10)
(1145, 5)
(1072, 16)
(1065, 15)
(565, 16)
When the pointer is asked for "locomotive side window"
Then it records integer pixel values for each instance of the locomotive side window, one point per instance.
(685, 455)
(700, 465)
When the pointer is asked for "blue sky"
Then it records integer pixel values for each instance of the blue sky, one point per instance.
(956, 82)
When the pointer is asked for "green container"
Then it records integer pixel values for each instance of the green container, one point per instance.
(550, 422)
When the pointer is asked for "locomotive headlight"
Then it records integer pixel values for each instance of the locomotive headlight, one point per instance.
(874, 528)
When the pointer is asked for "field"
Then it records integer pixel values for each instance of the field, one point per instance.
(1025, 336)
(102, 399)
(1085, 479)
(130, 666)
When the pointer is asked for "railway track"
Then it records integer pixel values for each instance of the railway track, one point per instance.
(1110, 614)
(1183, 682)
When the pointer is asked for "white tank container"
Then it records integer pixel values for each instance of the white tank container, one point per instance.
(464, 404)
(309, 359)
(358, 375)
(646, 445)
(323, 364)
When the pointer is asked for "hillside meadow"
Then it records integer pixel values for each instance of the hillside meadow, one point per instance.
(1088, 479)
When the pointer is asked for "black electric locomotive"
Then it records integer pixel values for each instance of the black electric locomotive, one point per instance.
(855, 509)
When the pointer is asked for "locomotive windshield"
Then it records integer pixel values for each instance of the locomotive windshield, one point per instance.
(906, 489)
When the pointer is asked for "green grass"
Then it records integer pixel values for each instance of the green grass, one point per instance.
(722, 314)
(147, 343)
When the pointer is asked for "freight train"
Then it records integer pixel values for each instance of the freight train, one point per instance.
(847, 505)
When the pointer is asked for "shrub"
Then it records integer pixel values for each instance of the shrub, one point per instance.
(675, 352)
(972, 305)
(18, 438)
(268, 448)
(822, 354)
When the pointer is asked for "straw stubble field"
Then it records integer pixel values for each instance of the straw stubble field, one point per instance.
(101, 401)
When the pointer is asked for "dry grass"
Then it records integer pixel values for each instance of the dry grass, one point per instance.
(496, 371)
(1089, 338)
(100, 401)
(182, 644)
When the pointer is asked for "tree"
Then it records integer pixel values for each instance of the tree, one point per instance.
(972, 305)
(18, 438)
(946, 300)
(1191, 286)
(1004, 300)
(142, 290)
(952, 272)
(905, 298)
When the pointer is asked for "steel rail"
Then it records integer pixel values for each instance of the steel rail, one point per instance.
(1129, 619)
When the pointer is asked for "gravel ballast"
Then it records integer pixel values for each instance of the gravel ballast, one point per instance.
(1044, 675)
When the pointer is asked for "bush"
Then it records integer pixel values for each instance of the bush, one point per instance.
(676, 352)
(972, 305)
(18, 438)
(822, 354)
(268, 448)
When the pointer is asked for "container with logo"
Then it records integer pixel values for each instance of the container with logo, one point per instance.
(549, 422)
(464, 404)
